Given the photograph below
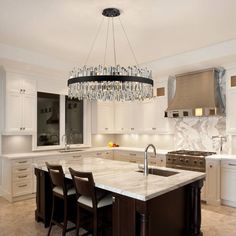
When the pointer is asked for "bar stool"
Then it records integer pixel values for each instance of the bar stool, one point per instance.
(90, 199)
(62, 190)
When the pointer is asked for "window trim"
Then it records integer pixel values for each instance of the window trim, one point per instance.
(86, 129)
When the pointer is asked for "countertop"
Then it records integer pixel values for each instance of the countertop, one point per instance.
(123, 178)
(83, 150)
(225, 157)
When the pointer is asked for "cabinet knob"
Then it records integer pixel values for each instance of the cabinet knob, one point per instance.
(113, 199)
(211, 166)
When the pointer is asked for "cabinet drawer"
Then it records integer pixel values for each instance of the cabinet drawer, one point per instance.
(21, 169)
(22, 162)
(228, 164)
(22, 188)
(22, 176)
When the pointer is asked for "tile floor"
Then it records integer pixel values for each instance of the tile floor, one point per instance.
(17, 219)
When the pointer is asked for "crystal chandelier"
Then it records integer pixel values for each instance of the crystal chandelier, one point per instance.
(110, 83)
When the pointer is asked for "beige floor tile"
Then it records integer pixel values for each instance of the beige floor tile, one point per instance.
(17, 219)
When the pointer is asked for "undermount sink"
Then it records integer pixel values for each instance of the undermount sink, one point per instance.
(154, 171)
(70, 150)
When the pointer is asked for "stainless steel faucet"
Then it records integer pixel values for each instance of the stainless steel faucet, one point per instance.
(67, 144)
(222, 139)
(146, 158)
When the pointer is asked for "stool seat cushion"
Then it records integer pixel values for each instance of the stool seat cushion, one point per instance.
(59, 190)
(102, 202)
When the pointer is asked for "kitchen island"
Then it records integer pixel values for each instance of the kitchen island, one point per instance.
(142, 205)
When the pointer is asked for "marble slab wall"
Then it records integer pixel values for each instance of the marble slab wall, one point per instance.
(195, 133)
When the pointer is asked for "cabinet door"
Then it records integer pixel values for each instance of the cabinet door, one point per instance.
(124, 217)
(14, 84)
(121, 117)
(103, 117)
(13, 112)
(29, 86)
(28, 112)
(231, 111)
(149, 115)
(228, 180)
(212, 182)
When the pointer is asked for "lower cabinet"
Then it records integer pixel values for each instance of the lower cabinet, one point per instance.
(228, 180)
(212, 183)
(17, 179)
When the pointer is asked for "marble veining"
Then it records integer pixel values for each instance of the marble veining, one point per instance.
(195, 133)
(123, 178)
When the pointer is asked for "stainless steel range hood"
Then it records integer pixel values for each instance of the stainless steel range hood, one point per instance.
(197, 93)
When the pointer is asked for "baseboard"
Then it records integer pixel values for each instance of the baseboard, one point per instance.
(228, 203)
(213, 202)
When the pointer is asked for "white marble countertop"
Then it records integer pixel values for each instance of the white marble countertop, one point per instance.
(123, 178)
(92, 149)
(222, 157)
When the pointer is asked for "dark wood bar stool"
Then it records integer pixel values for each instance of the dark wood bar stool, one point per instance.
(98, 203)
(64, 193)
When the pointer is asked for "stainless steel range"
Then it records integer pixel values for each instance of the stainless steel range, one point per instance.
(187, 160)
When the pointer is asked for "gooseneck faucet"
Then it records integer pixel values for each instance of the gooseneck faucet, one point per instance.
(146, 158)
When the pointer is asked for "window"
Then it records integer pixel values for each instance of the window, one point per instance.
(74, 121)
(59, 116)
(48, 119)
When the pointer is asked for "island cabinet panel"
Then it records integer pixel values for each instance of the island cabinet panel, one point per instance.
(123, 216)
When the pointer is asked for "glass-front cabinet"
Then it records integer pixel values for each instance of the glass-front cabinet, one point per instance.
(61, 120)
(74, 121)
(48, 119)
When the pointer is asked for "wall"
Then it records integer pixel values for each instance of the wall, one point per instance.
(16, 144)
(100, 140)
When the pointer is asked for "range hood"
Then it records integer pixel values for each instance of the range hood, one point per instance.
(197, 93)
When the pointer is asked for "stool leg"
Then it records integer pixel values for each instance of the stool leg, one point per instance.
(52, 214)
(77, 221)
(65, 218)
(95, 224)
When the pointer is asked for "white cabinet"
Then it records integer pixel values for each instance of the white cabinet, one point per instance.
(102, 117)
(212, 181)
(228, 182)
(17, 179)
(128, 156)
(153, 112)
(20, 105)
(128, 116)
(102, 154)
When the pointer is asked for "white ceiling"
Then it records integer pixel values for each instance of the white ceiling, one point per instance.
(156, 28)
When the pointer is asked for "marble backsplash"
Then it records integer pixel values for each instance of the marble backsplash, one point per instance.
(195, 133)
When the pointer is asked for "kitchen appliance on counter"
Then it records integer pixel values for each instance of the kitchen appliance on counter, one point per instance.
(187, 160)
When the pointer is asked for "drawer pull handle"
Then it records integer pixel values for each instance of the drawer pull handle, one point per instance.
(132, 161)
(22, 169)
(76, 156)
(153, 128)
(21, 162)
(99, 153)
(22, 176)
(230, 164)
(132, 154)
(22, 186)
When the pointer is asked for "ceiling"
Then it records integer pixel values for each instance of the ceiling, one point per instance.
(156, 29)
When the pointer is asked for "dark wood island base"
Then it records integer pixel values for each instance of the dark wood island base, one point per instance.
(175, 213)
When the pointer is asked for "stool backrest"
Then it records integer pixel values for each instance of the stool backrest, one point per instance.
(84, 184)
(57, 176)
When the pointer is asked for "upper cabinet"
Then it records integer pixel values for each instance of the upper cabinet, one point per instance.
(20, 104)
(230, 103)
(138, 117)
(154, 111)
(102, 117)
(128, 117)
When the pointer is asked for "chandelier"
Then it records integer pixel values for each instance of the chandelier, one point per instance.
(110, 83)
